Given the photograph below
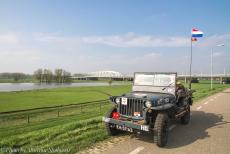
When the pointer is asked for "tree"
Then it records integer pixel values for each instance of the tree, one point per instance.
(18, 76)
(47, 75)
(110, 82)
(58, 75)
(38, 74)
(66, 76)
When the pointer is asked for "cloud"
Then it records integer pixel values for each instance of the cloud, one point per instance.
(127, 40)
(8, 38)
(218, 54)
(52, 37)
(21, 55)
(20, 60)
(214, 40)
(132, 40)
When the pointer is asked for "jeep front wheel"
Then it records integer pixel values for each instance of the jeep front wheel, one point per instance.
(111, 129)
(161, 129)
(186, 118)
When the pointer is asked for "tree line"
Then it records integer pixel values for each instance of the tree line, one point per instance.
(47, 76)
(15, 76)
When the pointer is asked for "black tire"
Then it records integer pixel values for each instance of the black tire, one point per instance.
(111, 129)
(161, 129)
(186, 118)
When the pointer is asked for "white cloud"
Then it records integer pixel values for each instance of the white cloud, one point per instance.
(132, 40)
(8, 38)
(20, 60)
(23, 55)
(214, 40)
(56, 39)
(127, 40)
(218, 54)
(138, 41)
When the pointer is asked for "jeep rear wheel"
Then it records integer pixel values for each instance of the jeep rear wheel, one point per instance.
(186, 118)
(161, 129)
(111, 129)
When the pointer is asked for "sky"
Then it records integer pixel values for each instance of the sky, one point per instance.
(125, 36)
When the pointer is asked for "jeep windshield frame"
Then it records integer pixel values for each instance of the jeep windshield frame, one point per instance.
(155, 82)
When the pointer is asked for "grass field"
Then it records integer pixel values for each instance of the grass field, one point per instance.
(62, 96)
(71, 132)
(52, 97)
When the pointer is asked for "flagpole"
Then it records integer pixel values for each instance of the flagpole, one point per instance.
(190, 69)
(195, 33)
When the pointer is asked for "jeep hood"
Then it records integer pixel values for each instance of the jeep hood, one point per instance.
(149, 95)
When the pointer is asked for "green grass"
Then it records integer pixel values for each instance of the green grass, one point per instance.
(73, 136)
(203, 89)
(54, 113)
(10, 101)
(52, 97)
(73, 130)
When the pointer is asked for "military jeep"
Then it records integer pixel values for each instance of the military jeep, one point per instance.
(155, 101)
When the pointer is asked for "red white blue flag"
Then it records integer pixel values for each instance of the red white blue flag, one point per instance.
(196, 33)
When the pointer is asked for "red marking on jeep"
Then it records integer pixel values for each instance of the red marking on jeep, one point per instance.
(116, 115)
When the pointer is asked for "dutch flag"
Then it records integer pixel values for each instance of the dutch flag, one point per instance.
(196, 33)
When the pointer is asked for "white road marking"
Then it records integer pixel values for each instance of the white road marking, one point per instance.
(137, 150)
(198, 108)
(206, 103)
(171, 127)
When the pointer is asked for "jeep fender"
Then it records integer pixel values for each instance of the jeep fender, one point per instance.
(163, 107)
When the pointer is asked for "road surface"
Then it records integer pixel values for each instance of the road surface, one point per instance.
(208, 132)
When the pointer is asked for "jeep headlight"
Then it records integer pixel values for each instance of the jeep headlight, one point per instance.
(117, 100)
(148, 104)
(166, 100)
(160, 101)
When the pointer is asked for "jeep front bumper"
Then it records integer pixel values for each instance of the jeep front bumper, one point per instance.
(127, 124)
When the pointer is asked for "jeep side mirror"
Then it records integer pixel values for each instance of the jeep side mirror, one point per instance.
(112, 98)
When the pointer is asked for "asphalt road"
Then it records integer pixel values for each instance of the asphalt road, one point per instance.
(208, 132)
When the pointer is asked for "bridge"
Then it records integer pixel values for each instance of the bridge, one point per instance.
(103, 75)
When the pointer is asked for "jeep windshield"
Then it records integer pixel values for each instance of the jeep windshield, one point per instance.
(155, 82)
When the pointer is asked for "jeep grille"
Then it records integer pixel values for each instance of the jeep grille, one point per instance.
(133, 105)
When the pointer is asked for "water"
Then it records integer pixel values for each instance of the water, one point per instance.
(6, 87)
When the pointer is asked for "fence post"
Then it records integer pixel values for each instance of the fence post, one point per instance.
(28, 118)
(58, 112)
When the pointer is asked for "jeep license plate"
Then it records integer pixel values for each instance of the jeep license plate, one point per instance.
(124, 128)
(124, 101)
